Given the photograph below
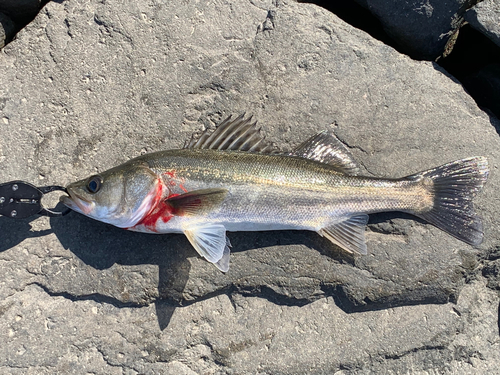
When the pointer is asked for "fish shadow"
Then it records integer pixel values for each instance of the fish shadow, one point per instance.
(384, 217)
(243, 241)
(101, 246)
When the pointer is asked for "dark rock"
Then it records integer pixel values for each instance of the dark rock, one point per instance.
(421, 28)
(21, 11)
(484, 85)
(7, 29)
(492, 273)
(485, 17)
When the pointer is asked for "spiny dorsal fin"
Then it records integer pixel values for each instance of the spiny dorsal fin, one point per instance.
(348, 234)
(239, 134)
(196, 202)
(210, 241)
(326, 148)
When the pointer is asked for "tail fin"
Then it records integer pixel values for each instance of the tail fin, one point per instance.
(454, 186)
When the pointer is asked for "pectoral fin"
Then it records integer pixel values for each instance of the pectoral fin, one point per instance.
(196, 202)
(348, 234)
(210, 241)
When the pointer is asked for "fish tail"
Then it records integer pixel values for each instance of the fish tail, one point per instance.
(453, 187)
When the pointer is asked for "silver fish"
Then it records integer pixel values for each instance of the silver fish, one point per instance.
(230, 180)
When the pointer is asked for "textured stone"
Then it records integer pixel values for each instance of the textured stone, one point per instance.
(43, 334)
(421, 28)
(79, 295)
(485, 17)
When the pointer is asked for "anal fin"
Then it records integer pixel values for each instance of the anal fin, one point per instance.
(348, 234)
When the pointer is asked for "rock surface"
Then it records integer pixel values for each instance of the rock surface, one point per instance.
(485, 17)
(421, 28)
(81, 296)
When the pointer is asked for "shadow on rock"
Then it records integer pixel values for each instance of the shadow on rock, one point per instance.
(101, 246)
(495, 121)
(498, 320)
(14, 231)
(285, 267)
(244, 241)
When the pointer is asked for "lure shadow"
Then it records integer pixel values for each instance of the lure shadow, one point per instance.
(14, 232)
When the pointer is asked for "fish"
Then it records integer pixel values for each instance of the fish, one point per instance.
(232, 179)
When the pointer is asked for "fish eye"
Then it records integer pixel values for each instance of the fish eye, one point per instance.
(94, 184)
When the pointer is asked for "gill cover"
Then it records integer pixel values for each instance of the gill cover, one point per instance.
(120, 196)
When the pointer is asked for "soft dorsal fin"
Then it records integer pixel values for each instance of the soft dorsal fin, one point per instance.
(239, 134)
(326, 148)
(348, 234)
(196, 202)
(210, 241)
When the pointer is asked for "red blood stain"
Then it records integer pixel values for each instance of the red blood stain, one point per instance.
(174, 180)
(160, 210)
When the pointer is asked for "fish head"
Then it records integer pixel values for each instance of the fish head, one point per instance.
(121, 196)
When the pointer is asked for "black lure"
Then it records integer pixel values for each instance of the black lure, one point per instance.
(19, 200)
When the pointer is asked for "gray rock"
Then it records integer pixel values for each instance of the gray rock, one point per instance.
(421, 28)
(485, 17)
(21, 11)
(7, 29)
(46, 334)
(78, 295)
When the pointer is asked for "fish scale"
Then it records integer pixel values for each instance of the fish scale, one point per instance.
(261, 185)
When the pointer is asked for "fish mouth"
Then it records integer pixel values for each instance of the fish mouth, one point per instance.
(76, 203)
